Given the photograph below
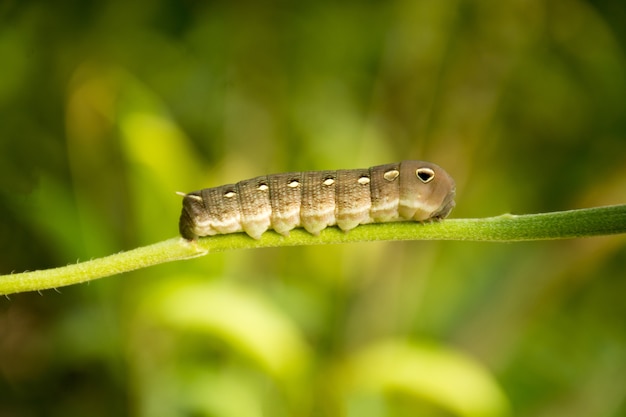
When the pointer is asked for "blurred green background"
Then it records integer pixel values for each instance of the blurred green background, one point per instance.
(107, 108)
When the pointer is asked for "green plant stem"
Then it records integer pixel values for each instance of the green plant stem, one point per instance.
(505, 228)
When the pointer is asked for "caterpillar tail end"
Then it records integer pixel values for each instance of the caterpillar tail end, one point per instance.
(186, 222)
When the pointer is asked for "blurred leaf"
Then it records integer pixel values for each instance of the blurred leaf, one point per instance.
(246, 321)
(433, 373)
(214, 394)
(62, 228)
(159, 155)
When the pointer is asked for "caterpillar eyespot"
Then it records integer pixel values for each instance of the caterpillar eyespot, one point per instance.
(407, 190)
(425, 175)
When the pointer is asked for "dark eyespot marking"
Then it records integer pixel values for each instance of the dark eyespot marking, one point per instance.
(425, 175)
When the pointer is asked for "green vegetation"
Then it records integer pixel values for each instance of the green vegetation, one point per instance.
(109, 108)
(506, 228)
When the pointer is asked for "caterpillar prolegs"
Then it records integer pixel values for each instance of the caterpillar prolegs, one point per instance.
(407, 190)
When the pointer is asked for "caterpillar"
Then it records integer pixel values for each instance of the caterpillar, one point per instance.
(407, 190)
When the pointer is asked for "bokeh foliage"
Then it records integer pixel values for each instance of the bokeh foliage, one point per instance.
(109, 107)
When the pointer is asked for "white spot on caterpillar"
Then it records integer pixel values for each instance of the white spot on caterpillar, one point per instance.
(262, 187)
(229, 194)
(364, 180)
(328, 181)
(293, 184)
(391, 175)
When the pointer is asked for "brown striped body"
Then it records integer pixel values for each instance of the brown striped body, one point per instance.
(408, 190)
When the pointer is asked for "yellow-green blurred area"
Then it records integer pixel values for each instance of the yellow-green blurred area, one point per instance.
(108, 108)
